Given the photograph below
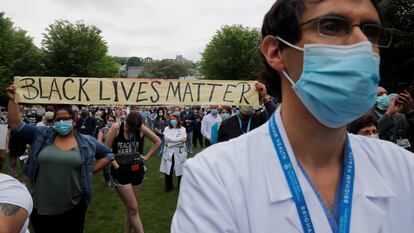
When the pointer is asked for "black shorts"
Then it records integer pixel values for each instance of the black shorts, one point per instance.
(128, 174)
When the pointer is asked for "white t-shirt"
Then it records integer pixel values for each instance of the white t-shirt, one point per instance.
(15, 193)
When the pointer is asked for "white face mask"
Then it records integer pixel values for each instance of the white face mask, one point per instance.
(375, 135)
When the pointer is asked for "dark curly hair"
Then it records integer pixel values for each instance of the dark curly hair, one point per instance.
(366, 120)
(67, 108)
(283, 20)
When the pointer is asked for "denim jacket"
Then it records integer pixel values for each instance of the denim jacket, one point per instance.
(39, 137)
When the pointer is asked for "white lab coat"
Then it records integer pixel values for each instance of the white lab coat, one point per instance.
(239, 187)
(174, 145)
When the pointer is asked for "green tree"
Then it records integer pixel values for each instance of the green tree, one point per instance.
(18, 55)
(232, 54)
(121, 60)
(135, 61)
(166, 68)
(76, 50)
(397, 62)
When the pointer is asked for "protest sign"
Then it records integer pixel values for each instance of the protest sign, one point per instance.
(122, 91)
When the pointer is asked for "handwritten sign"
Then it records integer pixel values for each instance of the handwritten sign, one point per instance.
(120, 91)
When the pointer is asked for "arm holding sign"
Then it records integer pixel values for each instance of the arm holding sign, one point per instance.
(13, 108)
(27, 132)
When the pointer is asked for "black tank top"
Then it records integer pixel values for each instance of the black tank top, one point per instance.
(123, 147)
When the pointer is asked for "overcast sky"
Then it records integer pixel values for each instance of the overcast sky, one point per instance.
(144, 28)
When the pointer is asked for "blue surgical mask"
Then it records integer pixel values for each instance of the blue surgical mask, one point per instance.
(225, 116)
(177, 113)
(383, 102)
(339, 82)
(214, 111)
(63, 127)
(173, 122)
(109, 124)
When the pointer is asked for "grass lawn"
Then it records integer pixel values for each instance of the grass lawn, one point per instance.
(156, 207)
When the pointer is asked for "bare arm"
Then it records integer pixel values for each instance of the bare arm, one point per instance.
(13, 108)
(100, 164)
(100, 136)
(12, 218)
(110, 137)
(153, 138)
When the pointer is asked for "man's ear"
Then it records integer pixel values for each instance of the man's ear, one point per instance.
(270, 50)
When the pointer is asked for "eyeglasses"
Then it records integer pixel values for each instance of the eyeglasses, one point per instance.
(339, 28)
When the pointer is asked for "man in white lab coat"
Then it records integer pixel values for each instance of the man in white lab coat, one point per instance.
(207, 122)
(301, 171)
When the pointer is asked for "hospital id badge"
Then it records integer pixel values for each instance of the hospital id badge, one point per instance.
(135, 167)
(403, 143)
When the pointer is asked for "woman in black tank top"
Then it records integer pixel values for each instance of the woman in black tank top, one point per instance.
(127, 170)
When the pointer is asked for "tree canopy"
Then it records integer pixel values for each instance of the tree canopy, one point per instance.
(76, 49)
(166, 68)
(18, 56)
(232, 54)
(397, 62)
(135, 61)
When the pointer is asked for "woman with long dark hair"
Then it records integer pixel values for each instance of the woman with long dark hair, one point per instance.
(126, 140)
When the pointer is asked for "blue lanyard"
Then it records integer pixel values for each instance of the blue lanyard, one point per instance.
(296, 190)
(248, 125)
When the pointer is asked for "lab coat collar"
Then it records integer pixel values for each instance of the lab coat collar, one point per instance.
(369, 189)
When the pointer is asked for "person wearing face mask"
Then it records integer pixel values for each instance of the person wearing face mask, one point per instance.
(128, 169)
(225, 114)
(160, 123)
(175, 152)
(366, 125)
(100, 122)
(392, 124)
(109, 120)
(86, 124)
(301, 171)
(47, 118)
(242, 123)
(188, 120)
(207, 123)
(60, 168)
(32, 117)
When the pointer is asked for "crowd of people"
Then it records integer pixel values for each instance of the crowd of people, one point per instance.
(118, 133)
(73, 142)
(309, 159)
